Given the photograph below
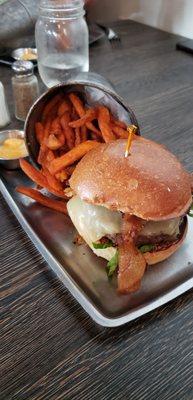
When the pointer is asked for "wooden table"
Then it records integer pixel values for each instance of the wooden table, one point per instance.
(50, 348)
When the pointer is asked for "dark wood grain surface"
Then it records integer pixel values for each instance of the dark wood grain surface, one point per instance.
(50, 348)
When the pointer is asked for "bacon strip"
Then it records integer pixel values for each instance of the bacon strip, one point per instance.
(132, 263)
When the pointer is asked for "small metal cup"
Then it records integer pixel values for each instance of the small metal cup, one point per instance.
(93, 88)
(21, 53)
(10, 163)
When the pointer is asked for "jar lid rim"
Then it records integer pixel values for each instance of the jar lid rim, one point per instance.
(21, 67)
(67, 5)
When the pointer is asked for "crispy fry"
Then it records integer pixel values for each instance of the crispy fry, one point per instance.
(77, 136)
(69, 192)
(53, 143)
(39, 129)
(69, 170)
(57, 205)
(74, 115)
(52, 181)
(42, 154)
(62, 138)
(87, 117)
(55, 128)
(62, 150)
(80, 133)
(37, 177)
(77, 103)
(121, 124)
(47, 128)
(83, 133)
(62, 176)
(63, 107)
(33, 173)
(50, 156)
(73, 155)
(104, 114)
(95, 137)
(80, 109)
(51, 105)
(104, 124)
(119, 132)
(92, 128)
(69, 133)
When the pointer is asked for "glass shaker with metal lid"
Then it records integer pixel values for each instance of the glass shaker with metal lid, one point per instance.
(25, 88)
(62, 40)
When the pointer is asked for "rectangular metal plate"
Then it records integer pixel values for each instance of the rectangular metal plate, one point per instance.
(84, 274)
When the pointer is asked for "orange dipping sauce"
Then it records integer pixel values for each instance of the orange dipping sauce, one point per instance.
(13, 148)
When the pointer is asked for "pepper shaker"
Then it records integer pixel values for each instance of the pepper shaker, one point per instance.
(4, 112)
(25, 88)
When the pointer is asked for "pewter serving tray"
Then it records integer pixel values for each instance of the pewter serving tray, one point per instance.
(84, 274)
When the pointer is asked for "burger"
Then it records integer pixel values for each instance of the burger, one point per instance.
(130, 210)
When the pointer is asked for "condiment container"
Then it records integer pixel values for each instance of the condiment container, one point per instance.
(10, 163)
(25, 54)
(61, 35)
(4, 112)
(94, 89)
(25, 88)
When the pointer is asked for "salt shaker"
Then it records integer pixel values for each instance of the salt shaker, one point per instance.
(25, 88)
(4, 112)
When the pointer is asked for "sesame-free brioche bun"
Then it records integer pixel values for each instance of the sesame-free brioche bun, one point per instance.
(163, 253)
(150, 183)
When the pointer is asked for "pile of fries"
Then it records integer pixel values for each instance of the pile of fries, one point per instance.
(67, 131)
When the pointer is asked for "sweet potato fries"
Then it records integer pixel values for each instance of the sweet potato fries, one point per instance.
(67, 131)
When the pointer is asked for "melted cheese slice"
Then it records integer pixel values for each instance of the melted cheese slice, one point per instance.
(169, 227)
(93, 222)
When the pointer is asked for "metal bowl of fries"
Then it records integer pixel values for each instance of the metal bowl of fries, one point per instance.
(93, 90)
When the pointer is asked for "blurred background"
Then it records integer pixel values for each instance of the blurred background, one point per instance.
(173, 16)
(18, 17)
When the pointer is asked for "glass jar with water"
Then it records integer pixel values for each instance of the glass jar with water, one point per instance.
(61, 40)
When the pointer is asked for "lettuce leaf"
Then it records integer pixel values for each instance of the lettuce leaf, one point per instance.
(146, 247)
(112, 264)
(102, 245)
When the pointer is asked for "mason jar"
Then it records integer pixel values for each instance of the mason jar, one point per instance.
(61, 35)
